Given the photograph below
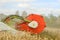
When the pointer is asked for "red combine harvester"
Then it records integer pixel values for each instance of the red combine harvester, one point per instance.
(39, 21)
(33, 23)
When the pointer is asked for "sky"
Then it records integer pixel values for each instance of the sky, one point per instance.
(44, 7)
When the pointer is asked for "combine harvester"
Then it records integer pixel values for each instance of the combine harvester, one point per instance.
(33, 23)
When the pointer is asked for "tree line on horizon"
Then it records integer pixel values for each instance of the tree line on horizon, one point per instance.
(52, 21)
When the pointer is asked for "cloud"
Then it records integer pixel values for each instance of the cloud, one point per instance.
(23, 5)
(8, 11)
(33, 7)
(43, 11)
(25, 0)
(2, 2)
(17, 0)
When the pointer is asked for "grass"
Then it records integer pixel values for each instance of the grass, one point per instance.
(45, 35)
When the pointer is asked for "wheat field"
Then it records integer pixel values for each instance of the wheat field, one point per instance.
(45, 35)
